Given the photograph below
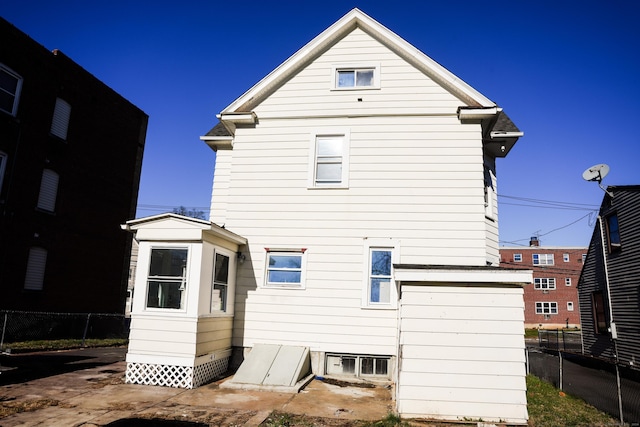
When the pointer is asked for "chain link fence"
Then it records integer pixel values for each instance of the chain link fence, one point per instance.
(610, 388)
(560, 339)
(35, 326)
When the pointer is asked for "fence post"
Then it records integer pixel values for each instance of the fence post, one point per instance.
(560, 357)
(4, 327)
(86, 327)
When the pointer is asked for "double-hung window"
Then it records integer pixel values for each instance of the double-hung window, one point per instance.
(544, 283)
(613, 233)
(356, 76)
(542, 259)
(329, 160)
(167, 280)
(546, 308)
(10, 86)
(517, 257)
(285, 268)
(380, 290)
(220, 294)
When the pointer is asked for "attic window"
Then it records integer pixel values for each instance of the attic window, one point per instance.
(352, 77)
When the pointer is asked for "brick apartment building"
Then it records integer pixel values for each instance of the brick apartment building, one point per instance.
(552, 300)
(70, 161)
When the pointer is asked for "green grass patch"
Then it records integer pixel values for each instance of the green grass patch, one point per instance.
(549, 407)
(44, 345)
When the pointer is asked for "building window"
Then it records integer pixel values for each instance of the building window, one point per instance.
(584, 258)
(167, 281)
(599, 316)
(329, 163)
(36, 264)
(546, 308)
(285, 268)
(542, 259)
(517, 257)
(48, 190)
(220, 293)
(3, 167)
(380, 276)
(569, 306)
(613, 233)
(544, 283)
(60, 121)
(10, 86)
(356, 77)
(567, 281)
(565, 257)
(357, 365)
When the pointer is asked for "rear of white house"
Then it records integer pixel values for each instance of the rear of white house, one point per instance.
(362, 175)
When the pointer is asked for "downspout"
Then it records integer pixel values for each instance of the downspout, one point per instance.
(612, 325)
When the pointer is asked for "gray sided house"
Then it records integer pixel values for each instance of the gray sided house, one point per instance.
(609, 289)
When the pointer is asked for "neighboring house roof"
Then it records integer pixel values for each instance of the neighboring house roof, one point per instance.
(352, 20)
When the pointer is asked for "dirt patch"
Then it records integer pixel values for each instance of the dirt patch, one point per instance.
(340, 383)
(9, 406)
(282, 419)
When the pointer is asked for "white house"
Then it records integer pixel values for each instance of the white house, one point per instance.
(359, 181)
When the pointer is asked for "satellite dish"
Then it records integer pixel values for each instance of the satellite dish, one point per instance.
(596, 173)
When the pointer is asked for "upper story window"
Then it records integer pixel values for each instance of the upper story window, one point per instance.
(360, 76)
(565, 257)
(60, 120)
(48, 190)
(517, 257)
(544, 283)
(329, 162)
(285, 268)
(546, 308)
(567, 281)
(613, 233)
(542, 259)
(10, 87)
(167, 280)
(584, 258)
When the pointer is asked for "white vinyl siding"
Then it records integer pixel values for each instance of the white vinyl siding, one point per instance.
(462, 353)
(10, 87)
(60, 120)
(48, 190)
(36, 264)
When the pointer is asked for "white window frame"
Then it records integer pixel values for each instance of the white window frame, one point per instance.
(337, 360)
(298, 252)
(565, 257)
(584, 258)
(218, 304)
(380, 244)
(569, 305)
(544, 283)
(490, 194)
(336, 68)
(313, 158)
(550, 306)
(16, 94)
(542, 259)
(517, 257)
(567, 281)
(184, 279)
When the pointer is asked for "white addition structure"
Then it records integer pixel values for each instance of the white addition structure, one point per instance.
(362, 175)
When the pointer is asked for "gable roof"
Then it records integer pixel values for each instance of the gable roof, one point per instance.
(352, 20)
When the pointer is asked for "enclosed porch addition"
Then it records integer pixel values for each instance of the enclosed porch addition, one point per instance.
(182, 311)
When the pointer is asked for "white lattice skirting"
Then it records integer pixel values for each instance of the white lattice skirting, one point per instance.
(175, 376)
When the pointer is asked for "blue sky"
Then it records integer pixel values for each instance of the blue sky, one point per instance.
(566, 72)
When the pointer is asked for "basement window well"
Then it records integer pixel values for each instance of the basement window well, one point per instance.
(361, 366)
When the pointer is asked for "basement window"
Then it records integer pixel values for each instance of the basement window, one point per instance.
(360, 366)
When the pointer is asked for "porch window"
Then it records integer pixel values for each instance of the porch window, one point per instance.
(167, 279)
(220, 283)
